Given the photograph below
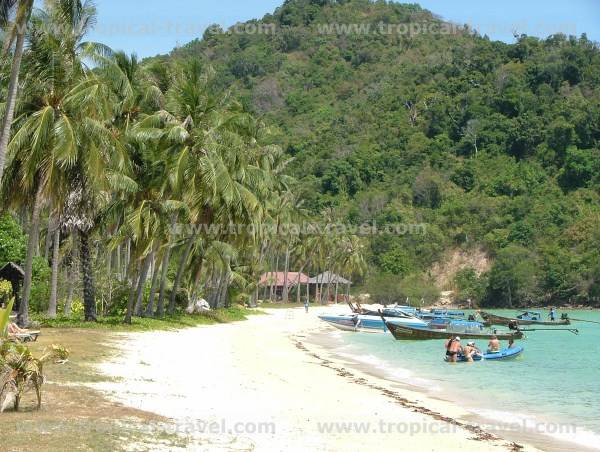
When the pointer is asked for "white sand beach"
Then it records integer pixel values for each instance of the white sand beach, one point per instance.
(256, 385)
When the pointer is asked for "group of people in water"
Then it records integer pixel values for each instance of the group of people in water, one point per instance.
(454, 348)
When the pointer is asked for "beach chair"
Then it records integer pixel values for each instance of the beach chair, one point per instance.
(29, 336)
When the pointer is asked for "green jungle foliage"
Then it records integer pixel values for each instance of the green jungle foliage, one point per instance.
(488, 144)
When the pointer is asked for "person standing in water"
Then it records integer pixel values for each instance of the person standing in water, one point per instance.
(453, 349)
(552, 314)
(494, 345)
(470, 350)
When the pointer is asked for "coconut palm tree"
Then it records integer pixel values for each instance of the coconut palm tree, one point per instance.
(194, 130)
(62, 149)
(16, 31)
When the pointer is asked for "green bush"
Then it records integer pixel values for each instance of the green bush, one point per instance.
(13, 243)
(5, 291)
(385, 289)
(470, 286)
(40, 286)
(419, 289)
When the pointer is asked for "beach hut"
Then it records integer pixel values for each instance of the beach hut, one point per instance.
(15, 274)
(276, 281)
(327, 280)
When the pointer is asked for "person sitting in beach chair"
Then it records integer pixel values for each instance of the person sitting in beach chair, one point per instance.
(20, 334)
(494, 345)
(13, 328)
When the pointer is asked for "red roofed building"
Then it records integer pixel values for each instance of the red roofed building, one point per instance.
(276, 280)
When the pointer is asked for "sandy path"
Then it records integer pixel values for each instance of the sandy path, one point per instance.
(251, 385)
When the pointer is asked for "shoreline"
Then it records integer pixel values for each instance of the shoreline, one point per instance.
(265, 370)
(513, 429)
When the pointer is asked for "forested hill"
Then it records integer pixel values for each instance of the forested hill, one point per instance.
(493, 146)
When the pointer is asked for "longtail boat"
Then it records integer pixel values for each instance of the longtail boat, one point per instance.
(526, 318)
(435, 317)
(442, 323)
(406, 332)
(368, 323)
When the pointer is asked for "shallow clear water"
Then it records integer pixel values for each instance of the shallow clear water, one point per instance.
(556, 380)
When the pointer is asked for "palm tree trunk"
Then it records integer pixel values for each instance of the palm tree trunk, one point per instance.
(48, 241)
(70, 289)
(118, 263)
(54, 279)
(336, 291)
(197, 279)
(273, 296)
(160, 309)
(307, 290)
(285, 274)
(223, 299)
(72, 274)
(11, 95)
(139, 297)
(298, 290)
(150, 307)
(127, 259)
(34, 230)
(216, 286)
(109, 270)
(89, 292)
(260, 262)
(299, 284)
(319, 294)
(131, 298)
(180, 270)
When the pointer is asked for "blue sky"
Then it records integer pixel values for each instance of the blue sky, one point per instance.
(149, 27)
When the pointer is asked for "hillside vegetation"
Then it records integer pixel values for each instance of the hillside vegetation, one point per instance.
(489, 144)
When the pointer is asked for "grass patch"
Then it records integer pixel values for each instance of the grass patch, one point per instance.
(177, 321)
(81, 417)
(77, 417)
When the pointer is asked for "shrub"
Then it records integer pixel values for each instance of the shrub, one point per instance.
(5, 290)
(470, 286)
(384, 289)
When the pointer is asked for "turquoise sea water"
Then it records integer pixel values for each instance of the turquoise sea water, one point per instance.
(553, 385)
